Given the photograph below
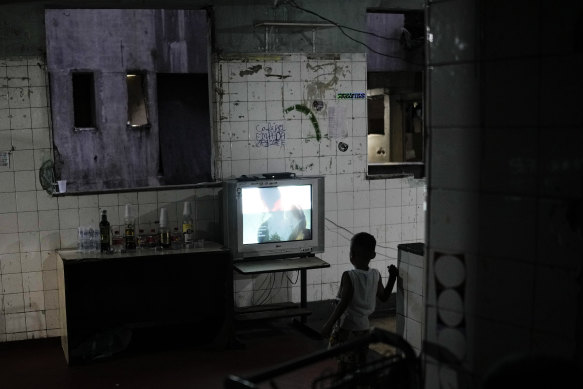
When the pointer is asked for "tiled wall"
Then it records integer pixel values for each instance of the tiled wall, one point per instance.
(254, 93)
(34, 224)
(505, 189)
(410, 309)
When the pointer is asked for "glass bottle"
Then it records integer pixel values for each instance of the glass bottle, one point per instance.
(130, 230)
(104, 233)
(141, 241)
(164, 231)
(187, 226)
(118, 242)
(176, 239)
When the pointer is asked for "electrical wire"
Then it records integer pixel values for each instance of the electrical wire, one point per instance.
(341, 28)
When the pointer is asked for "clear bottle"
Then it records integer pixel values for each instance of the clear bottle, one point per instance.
(176, 239)
(117, 242)
(141, 240)
(164, 231)
(130, 230)
(104, 233)
(187, 226)
(152, 239)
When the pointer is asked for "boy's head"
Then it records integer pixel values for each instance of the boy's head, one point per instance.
(362, 247)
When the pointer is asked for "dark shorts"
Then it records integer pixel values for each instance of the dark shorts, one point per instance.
(351, 359)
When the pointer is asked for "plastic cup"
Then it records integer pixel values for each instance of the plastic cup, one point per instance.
(62, 186)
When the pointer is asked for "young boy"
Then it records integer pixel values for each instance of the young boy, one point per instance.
(359, 289)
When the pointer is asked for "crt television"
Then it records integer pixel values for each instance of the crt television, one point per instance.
(269, 216)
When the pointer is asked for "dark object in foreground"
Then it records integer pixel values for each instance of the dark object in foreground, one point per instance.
(401, 370)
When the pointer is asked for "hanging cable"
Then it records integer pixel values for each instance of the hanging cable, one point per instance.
(341, 28)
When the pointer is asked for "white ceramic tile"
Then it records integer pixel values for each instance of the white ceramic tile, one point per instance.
(21, 120)
(25, 201)
(68, 238)
(148, 197)
(32, 281)
(377, 216)
(27, 221)
(37, 75)
(9, 223)
(11, 283)
(25, 180)
(18, 98)
(291, 70)
(346, 218)
(35, 321)
(34, 301)
(274, 110)
(10, 263)
(29, 241)
(52, 317)
(39, 117)
(38, 97)
(107, 200)
(50, 240)
(393, 215)
(45, 201)
(15, 322)
(9, 243)
(394, 233)
(4, 114)
(345, 183)
(48, 220)
(393, 197)
(69, 218)
(362, 218)
(8, 203)
(274, 91)
(408, 213)
(241, 167)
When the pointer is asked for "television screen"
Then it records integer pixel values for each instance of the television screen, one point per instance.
(277, 213)
(278, 216)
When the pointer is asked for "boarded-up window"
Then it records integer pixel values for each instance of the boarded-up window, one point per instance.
(103, 65)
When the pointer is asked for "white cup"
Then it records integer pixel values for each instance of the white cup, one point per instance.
(62, 186)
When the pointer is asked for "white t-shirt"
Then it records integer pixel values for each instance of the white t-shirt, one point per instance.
(356, 316)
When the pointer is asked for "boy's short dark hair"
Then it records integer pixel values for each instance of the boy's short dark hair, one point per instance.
(364, 244)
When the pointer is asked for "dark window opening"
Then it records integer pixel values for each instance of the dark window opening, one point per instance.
(138, 116)
(84, 100)
(396, 134)
(376, 114)
(185, 128)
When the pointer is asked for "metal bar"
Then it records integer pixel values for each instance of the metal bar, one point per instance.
(294, 24)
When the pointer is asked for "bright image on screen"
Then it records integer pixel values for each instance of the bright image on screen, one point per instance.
(277, 214)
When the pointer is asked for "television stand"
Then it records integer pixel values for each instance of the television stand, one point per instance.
(272, 265)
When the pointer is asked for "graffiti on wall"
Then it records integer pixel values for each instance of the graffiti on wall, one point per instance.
(270, 134)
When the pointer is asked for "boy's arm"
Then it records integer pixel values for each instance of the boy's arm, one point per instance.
(346, 291)
(383, 293)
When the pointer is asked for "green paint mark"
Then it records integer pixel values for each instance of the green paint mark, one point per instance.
(307, 111)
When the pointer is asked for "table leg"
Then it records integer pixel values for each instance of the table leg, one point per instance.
(303, 292)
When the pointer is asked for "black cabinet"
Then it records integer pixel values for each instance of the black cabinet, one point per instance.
(109, 301)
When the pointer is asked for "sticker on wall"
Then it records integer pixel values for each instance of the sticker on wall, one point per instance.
(318, 105)
(4, 159)
(336, 119)
(270, 134)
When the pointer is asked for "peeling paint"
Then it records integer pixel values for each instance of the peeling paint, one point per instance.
(307, 111)
(251, 70)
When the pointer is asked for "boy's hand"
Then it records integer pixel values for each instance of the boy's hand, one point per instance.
(393, 271)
